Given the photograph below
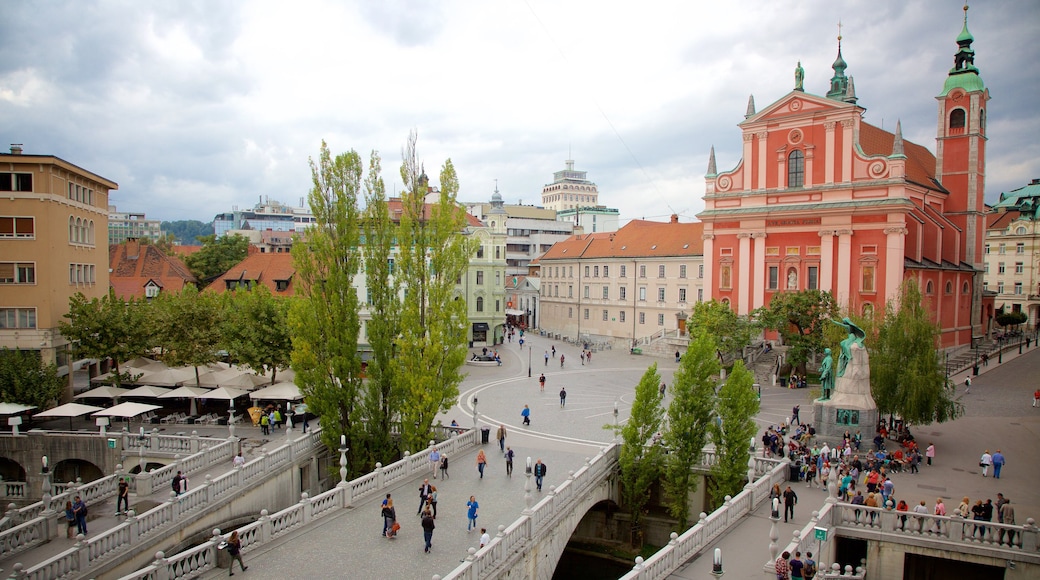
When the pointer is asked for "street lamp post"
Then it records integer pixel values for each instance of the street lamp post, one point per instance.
(528, 362)
(474, 413)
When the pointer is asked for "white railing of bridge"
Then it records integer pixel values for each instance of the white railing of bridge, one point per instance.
(194, 561)
(683, 547)
(489, 560)
(46, 516)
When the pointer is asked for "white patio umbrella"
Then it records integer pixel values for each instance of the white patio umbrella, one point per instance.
(187, 393)
(147, 391)
(144, 364)
(225, 394)
(102, 393)
(14, 408)
(235, 377)
(170, 377)
(127, 410)
(69, 410)
(278, 392)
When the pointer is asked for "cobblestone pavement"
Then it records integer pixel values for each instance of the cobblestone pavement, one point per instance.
(998, 415)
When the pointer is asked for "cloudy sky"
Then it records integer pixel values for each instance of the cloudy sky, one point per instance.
(194, 107)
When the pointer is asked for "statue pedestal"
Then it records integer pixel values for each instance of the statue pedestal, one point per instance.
(851, 408)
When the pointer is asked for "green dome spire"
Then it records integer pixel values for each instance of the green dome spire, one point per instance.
(964, 74)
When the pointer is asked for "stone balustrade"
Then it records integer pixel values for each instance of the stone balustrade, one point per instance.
(193, 561)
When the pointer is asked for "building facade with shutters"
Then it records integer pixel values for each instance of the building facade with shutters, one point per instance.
(822, 199)
(1012, 252)
(53, 244)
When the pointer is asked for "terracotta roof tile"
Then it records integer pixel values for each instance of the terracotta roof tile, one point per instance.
(638, 238)
(133, 264)
(266, 269)
(920, 163)
(1001, 220)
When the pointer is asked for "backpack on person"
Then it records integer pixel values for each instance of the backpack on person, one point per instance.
(84, 509)
(809, 570)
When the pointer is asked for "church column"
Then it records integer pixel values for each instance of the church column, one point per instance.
(748, 160)
(895, 250)
(743, 273)
(759, 289)
(709, 263)
(844, 266)
(810, 151)
(826, 260)
(762, 158)
(828, 177)
(846, 150)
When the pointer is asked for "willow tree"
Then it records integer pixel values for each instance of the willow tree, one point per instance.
(382, 397)
(907, 377)
(325, 319)
(689, 421)
(736, 407)
(641, 458)
(431, 346)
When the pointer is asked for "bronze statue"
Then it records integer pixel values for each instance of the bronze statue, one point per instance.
(856, 336)
(826, 375)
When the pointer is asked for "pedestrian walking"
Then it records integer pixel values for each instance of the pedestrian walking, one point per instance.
(554, 351)
(582, 357)
(444, 467)
(435, 461)
(662, 389)
(509, 461)
(539, 473)
(563, 397)
(501, 435)
(526, 414)
(998, 463)
(481, 462)
(790, 499)
(561, 360)
(265, 424)
(424, 492)
(1007, 516)
(546, 358)
(541, 382)
(809, 571)
(471, 513)
(985, 461)
(431, 500)
(797, 566)
(234, 549)
(929, 453)
(388, 513)
(70, 521)
(794, 415)
(79, 507)
(1036, 398)
(522, 343)
(238, 461)
(427, 527)
(677, 356)
(178, 483)
(967, 385)
(485, 538)
(123, 496)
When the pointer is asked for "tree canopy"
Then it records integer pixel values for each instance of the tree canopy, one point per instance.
(107, 327)
(800, 318)
(217, 255)
(641, 458)
(188, 326)
(907, 377)
(256, 329)
(730, 331)
(25, 379)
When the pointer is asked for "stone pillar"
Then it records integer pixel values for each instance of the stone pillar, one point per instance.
(828, 164)
(826, 281)
(709, 273)
(759, 270)
(763, 158)
(743, 273)
(846, 150)
(895, 247)
(844, 266)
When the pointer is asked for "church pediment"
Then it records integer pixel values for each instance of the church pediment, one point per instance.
(796, 103)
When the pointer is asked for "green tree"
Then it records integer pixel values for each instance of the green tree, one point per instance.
(217, 255)
(107, 327)
(689, 421)
(431, 347)
(800, 318)
(730, 331)
(641, 459)
(736, 407)
(382, 396)
(907, 377)
(187, 232)
(25, 379)
(325, 321)
(1013, 318)
(189, 327)
(256, 329)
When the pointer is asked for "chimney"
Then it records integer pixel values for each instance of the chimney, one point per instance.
(16, 148)
(133, 248)
(675, 218)
(1036, 181)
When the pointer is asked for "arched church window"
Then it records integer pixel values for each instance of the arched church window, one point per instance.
(796, 169)
(949, 287)
(929, 287)
(958, 119)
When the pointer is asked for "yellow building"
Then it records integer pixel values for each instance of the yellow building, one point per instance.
(53, 243)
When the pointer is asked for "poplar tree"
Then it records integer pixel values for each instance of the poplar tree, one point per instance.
(906, 371)
(689, 422)
(431, 346)
(736, 407)
(381, 396)
(641, 458)
(325, 319)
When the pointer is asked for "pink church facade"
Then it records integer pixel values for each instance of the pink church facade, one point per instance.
(821, 199)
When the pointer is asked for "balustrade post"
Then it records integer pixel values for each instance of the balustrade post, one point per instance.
(193, 445)
(209, 489)
(134, 524)
(308, 508)
(380, 476)
(176, 505)
(774, 535)
(162, 571)
(144, 484)
(265, 527)
(727, 504)
(82, 554)
(1030, 536)
(12, 514)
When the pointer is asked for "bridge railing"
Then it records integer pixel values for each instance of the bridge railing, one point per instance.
(192, 562)
(489, 561)
(683, 547)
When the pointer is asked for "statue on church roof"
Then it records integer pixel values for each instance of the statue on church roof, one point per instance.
(799, 77)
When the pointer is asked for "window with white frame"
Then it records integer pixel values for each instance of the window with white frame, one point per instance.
(642, 318)
(682, 270)
(17, 227)
(660, 271)
(642, 271)
(606, 292)
(660, 294)
(621, 293)
(682, 294)
(621, 316)
(1019, 267)
(660, 320)
(17, 273)
(642, 293)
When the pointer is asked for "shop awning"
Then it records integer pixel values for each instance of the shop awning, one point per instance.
(477, 326)
(514, 312)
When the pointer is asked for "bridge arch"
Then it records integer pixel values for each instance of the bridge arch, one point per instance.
(11, 470)
(148, 466)
(76, 469)
(550, 549)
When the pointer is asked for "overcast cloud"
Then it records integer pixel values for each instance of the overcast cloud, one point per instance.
(195, 107)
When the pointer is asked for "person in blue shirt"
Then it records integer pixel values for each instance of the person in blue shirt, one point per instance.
(526, 414)
(998, 463)
(471, 513)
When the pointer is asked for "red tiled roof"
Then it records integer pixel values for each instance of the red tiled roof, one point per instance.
(999, 221)
(133, 265)
(920, 163)
(185, 251)
(637, 239)
(266, 269)
(396, 208)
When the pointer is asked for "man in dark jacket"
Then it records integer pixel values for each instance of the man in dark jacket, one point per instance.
(539, 473)
(790, 498)
(428, 526)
